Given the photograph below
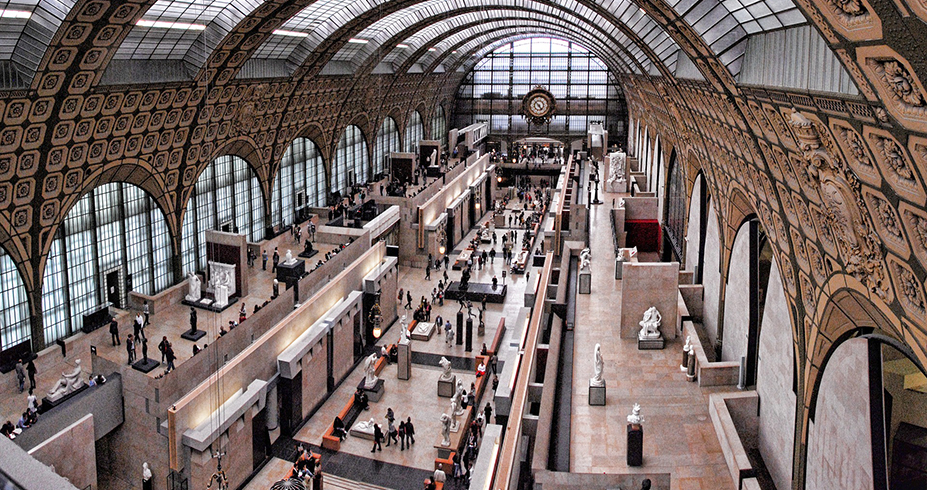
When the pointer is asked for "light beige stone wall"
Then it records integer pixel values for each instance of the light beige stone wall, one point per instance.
(645, 285)
(711, 278)
(737, 299)
(839, 442)
(313, 375)
(694, 225)
(72, 453)
(774, 384)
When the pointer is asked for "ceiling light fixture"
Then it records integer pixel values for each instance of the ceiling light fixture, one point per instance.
(354, 40)
(15, 14)
(282, 32)
(159, 24)
(402, 46)
(432, 49)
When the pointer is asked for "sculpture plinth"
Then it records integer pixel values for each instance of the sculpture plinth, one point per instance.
(596, 394)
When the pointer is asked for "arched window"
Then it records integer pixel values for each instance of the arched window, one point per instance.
(114, 240)
(415, 131)
(439, 126)
(227, 197)
(300, 181)
(14, 305)
(387, 142)
(676, 206)
(350, 160)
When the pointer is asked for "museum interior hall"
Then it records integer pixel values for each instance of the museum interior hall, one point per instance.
(563, 244)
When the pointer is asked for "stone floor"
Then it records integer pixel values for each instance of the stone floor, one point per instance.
(678, 434)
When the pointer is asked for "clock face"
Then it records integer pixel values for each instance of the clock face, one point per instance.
(538, 105)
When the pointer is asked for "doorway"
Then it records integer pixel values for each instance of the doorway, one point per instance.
(112, 288)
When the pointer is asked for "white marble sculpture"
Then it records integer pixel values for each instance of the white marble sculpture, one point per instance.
(366, 426)
(459, 396)
(290, 260)
(222, 295)
(584, 258)
(597, 380)
(455, 412)
(445, 430)
(446, 366)
(221, 274)
(70, 382)
(685, 354)
(370, 368)
(403, 330)
(621, 203)
(146, 472)
(194, 293)
(650, 325)
(635, 417)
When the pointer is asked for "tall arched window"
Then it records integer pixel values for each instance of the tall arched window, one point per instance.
(350, 160)
(227, 196)
(301, 173)
(676, 206)
(439, 126)
(115, 236)
(415, 131)
(14, 305)
(387, 142)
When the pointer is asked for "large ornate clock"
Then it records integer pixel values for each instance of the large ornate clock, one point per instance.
(538, 106)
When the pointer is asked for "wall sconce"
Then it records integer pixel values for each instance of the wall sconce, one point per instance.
(441, 236)
(376, 318)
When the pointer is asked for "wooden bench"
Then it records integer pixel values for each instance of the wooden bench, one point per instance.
(349, 413)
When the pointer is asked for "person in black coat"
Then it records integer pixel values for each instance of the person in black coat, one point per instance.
(338, 429)
(31, 370)
(410, 431)
(114, 332)
(377, 438)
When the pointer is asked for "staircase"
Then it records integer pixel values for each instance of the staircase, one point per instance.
(332, 482)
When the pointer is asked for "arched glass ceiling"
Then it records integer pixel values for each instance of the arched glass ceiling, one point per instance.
(388, 27)
(321, 19)
(27, 26)
(462, 26)
(468, 39)
(187, 30)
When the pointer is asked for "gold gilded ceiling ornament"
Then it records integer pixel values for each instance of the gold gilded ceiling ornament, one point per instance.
(844, 207)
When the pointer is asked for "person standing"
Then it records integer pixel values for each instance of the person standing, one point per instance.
(377, 438)
(137, 327)
(114, 332)
(487, 412)
(147, 312)
(130, 349)
(410, 431)
(30, 369)
(264, 260)
(31, 403)
(20, 374)
(162, 347)
(391, 434)
(192, 319)
(276, 260)
(428, 271)
(402, 435)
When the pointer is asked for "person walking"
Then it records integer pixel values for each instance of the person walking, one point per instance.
(114, 332)
(377, 438)
(408, 300)
(410, 431)
(147, 312)
(31, 370)
(170, 358)
(276, 260)
(20, 374)
(264, 260)
(391, 434)
(487, 412)
(428, 271)
(402, 435)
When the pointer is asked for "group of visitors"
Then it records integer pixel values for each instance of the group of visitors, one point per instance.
(404, 435)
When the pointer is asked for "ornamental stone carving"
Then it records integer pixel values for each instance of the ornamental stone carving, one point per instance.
(915, 222)
(899, 88)
(910, 290)
(899, 82)
(843, 205)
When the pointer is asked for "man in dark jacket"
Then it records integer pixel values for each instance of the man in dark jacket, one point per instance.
(377, 438)
(410, 431)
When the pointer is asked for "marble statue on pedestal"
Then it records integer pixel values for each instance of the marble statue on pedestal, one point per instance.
(445, 430)
(403, 330)
(635, 417)
(650, 325)
(365, 426)
(458, 398)
(70, 382)
(455, 407)
(222, 295)
(446, 366)
(290, 260)
(194, 293)
(597, 380)
(685, 354)
(584, 258)
(370, 367)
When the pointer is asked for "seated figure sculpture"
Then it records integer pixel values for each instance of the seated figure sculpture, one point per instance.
(650, 325)
(70, 382)
(584, 258)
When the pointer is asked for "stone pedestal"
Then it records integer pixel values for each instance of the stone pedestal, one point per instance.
(193, 336)
(650, 344)
(145, 366)
(373, 394)
(446, 388)
(618, 265)
(460, 321)
(596, 394)
(405, 361)
(635, 445)
(469, 345)
(423, 331)
(585, 282)
(289, 274)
